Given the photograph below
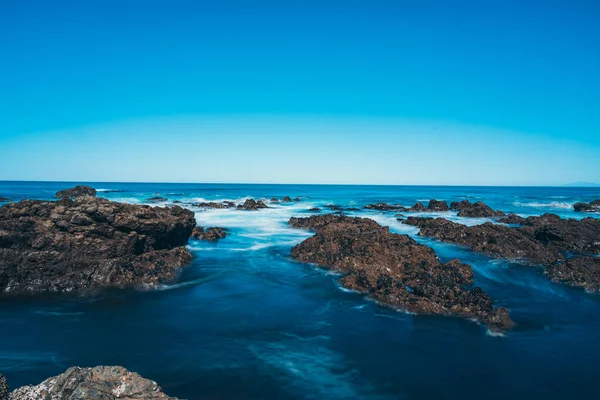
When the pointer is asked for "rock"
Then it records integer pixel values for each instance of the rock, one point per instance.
(157, 199)
(400, 216)
(418, 207)
(567, 235)
(101, 383)
(492, 239)
(593, 206)
(394, 269)
(210, 234)
(436, 205)
(252, 205)
(384, 207)
(512, 219)
(212, 204)
(4, 389)
(287, 199)
(314, 209)
(296, 199)
(4, 199)
(77, 191)
(352, 209)
(581, 272)
(475, 210)
(334, 207)
(90, 243)
(274, 200)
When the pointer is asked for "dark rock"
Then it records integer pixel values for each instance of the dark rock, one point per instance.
(274, 200)
(77, 191)
(296, 199)
(212, 204)
(100, 383)
(493, 239)
(571, 235)
(581, 272)
(418, 207)
(400, 216)
(512, 219)
(287, 199)
(334, 207)
(4, 199)
(210, 234)
(90, 243)
(384, 207)
(436, 205)
(352, 209)
(176, 202)
(475, 210)
(252, 205)
(395, 269)
(314, 209)
(593, 206)
(157, 199)
(4, 389)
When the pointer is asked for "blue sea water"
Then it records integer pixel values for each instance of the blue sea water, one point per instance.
(247, 322)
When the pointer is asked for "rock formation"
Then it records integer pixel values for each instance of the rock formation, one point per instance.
(212, 204)
(475, 210)
(77, 191)
(210, 234)
(157, 199)
(4, 389)
(101, 383)
(583, 272)
(384, 207)
(4, 199)
(394, 269)
(436, 205)
(512, 219)
(252, 205)
(593, 206)
(88, 243)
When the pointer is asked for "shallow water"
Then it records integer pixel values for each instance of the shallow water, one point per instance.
(246, 321)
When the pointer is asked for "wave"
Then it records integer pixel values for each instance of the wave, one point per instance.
(552, 204)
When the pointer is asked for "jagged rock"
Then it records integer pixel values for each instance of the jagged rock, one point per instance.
(593, 206)
(157, 199)
(395, 269)
(77, 191)
(384, 207)
(212, 204)
(418, 207)
(475, 210)
(274, 200)
(493, 239)
(571, 235)
(89, 243)
(100, 383)
(251, 205)
(4, 199)
(287, 199)
(4, 389)
(512, 219)
(581, 272)
(314, 209)
(210, 234)
(436, 205)
(334, 207)
(296, 199)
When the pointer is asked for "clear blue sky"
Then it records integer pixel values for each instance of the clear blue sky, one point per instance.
(390, 92)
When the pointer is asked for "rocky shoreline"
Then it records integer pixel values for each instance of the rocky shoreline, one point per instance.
(102, 382)
(394, 269)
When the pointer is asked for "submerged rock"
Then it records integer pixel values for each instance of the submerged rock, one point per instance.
(77, 191)
(384, 207)
(212, 204)
(157, 199)
(4, 199)
(475, 210)
(101, 383)
(274, 200)
(593, 206)
(210, 234)
(395, 269)
(90, 243)
(4, 389)
(314, 209)
(252, 205)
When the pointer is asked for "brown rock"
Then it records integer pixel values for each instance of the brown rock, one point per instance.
(77, 191)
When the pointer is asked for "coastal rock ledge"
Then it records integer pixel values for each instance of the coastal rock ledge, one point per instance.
(90, 243)
(394, 269)
(106, 383)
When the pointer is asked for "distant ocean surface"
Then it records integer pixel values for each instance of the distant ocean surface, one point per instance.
(247, 322)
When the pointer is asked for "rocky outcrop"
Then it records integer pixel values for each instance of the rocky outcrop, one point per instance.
(384, 207)
(157, 199)
(274, 200)
(394, 269)
(252, 205)
(548, 240)
(4, 199)
(4, 389)
(474, 210)
(512, 219)
(287, 199)
(418, 207)
(77, 191)
(89, 243)
(593, 206)
(212, 204)
(101, 383)
(314, 209)
(210, 234)
(436, 205)
(583, 272)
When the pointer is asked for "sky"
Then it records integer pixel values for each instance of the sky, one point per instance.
(496, 92)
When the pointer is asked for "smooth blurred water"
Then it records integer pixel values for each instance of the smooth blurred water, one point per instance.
(247, 322)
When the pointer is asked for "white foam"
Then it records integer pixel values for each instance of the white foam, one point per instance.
(552, 204)
(494, 333)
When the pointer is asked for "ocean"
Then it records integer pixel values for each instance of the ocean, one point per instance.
(245, 321)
